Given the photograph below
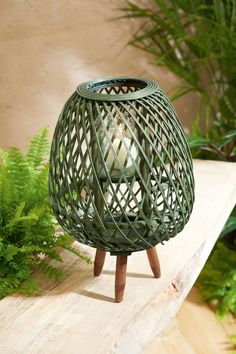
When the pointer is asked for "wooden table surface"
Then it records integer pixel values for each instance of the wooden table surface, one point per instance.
(79, 316)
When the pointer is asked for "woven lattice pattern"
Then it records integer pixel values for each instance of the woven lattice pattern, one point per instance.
(120, 168)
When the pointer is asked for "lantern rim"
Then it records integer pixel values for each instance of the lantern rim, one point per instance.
(145, 87)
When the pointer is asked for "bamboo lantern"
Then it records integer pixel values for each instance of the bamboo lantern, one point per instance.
(121, 175)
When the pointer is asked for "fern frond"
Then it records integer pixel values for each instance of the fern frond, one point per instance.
(3, 155)
(9, 252)
(27, 224)
(41, 182)
(29, 287)
(65, 241)
(17, 216)
(50, 271)
(18, 172)
(7, 191)
(8, 286)
(38, 149)
(78, 253)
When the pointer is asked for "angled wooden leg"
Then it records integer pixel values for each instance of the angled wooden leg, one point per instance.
(99, 262)
(121, 265)
(154, 261)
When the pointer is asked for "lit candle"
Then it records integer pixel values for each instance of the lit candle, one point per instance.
(120, 150)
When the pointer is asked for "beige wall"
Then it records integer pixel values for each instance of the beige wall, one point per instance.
(48, 47)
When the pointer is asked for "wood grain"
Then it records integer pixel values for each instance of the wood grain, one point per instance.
(195, 330)
(99, 262)
(120, 280)
(154, 262)
(79, 314)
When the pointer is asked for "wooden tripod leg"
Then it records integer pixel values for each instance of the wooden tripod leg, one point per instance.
(154, 261)
(99, 262)
(121, 265)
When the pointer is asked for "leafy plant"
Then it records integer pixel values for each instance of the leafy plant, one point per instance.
(233, 342)
(217, 280)
(27, 226)
(196, 40)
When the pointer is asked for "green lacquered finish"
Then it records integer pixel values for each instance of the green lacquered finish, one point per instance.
(121, 175)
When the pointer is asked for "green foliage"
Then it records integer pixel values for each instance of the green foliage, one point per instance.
(233, 342)
(217, 280)
(230, 226)
(27, 225)
(196, 40)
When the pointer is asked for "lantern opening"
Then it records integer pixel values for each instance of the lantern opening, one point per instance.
(117, 89)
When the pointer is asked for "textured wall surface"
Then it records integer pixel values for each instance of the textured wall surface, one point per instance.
(48, 47)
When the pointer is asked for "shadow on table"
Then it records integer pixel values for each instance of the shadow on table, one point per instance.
(96, 296)
(79, 279)
(129, 274)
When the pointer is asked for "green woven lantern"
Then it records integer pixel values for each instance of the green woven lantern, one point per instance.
(121, 176)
